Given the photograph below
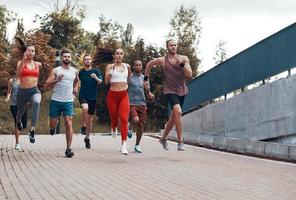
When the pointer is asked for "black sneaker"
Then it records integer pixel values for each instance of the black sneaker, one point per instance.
(69, 153)
(87, 143)
(52, 131)
(19, 126)
(83, 130)
(32, 136)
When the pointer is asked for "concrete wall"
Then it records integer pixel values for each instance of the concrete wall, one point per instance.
(268, 111)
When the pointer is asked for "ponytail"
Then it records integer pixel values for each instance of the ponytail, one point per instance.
(102, 56)
(21, 45)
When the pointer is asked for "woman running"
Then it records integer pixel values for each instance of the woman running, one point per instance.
(28, 73)
(117, 74)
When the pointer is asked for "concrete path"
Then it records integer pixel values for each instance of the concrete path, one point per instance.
(40, 171)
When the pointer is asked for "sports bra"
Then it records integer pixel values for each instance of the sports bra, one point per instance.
(119, 76)
(26, 72)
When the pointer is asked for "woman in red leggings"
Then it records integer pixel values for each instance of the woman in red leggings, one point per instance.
(117, 74)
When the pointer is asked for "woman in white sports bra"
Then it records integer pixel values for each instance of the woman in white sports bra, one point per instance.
(117, 74)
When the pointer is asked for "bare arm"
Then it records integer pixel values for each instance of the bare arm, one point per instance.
(129, 72)
(18, 69)
(76, 84)
(187, 68)
(52, 80)
(108, 72)
(9, 90)
(150, 64)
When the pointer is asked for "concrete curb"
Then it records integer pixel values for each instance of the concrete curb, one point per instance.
(257, 148)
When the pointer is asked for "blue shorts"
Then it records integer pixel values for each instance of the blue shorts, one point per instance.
(57, 107)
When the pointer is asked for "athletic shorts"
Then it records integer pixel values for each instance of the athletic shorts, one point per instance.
(138, 111)
(174, 99)
(57, 107)
(13, 110)
(91, 105)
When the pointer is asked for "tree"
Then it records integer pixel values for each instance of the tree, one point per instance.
(220, 55)
(186, 29)
(6, 17)
(127, 37)
(64, 25)
(20, 30)
(109, 34)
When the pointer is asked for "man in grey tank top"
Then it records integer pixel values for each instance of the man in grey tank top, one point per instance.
(64, 81)
(176, 70)
(138, 107)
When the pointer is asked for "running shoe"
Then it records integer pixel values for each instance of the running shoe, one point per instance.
(17, 147)
(138, 149)
(52, 131)
(87, 143)
(114, 133)
(164, 144)
(181, 146)
(32, 136)
(124, 148)
(69, 153)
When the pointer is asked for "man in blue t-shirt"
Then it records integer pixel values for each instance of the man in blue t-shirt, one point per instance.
(89, 78)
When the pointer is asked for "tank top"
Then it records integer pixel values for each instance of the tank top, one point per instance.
(26, 72)
(63, 90)
(136, 89)
(118, 76)
(174, 79)
(14, 90)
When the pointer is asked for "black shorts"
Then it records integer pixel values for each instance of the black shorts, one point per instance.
(174, 99)
(91, 105)
(13, 110)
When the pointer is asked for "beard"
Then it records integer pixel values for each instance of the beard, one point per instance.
(66, 62)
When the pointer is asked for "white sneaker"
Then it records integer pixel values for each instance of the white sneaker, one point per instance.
(114, 133)
(17, 147)
(138, 149)
(124, 148)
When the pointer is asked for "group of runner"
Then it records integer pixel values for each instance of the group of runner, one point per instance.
(126, 98)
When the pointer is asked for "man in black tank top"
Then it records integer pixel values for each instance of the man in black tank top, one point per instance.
(176, 70)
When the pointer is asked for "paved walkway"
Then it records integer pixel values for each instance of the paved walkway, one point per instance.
(40, 171)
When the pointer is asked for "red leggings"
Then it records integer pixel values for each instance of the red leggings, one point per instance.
(119, 105)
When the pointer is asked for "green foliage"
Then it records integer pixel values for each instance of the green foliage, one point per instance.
(220, 54)
(6, 17)
(186, 29)
(109, 34)
(63, 27)
(20, 30)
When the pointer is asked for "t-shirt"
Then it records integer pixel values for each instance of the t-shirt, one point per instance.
(63, 90)
(136, 89)
(88, 85)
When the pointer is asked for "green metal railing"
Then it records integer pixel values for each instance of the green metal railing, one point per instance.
(266, 58)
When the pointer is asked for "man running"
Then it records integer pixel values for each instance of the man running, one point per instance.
(64, 80)
(89, 78)
(137, 103)
(176, 71)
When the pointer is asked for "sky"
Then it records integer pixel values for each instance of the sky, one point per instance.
(240, 23)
